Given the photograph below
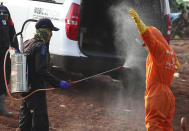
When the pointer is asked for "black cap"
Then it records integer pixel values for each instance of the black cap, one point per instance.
(45, 23)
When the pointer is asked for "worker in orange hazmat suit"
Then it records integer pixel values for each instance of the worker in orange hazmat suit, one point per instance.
(160, 67)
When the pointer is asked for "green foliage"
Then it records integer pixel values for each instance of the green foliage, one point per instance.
(174, 5)
(182, 2)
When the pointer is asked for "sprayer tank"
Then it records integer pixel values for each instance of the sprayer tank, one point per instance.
(18, 73)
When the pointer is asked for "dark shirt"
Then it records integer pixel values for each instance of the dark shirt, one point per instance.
(37, 61)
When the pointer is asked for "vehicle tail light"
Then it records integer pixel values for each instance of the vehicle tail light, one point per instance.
(168, 35)
(72, 21)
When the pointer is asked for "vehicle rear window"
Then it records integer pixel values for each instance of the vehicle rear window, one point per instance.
(51, 1)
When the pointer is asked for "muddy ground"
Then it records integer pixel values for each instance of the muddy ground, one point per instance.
(102, 104)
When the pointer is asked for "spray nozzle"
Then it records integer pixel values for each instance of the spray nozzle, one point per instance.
(120, 67)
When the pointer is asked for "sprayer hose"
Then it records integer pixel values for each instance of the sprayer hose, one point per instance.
(70, 83)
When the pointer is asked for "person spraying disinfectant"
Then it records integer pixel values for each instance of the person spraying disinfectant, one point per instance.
(160, 67)
(33, 110)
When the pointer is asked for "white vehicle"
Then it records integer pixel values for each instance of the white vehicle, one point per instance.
(93, 33)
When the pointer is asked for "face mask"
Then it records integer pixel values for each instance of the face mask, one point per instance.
(43, 35)
(49, 34)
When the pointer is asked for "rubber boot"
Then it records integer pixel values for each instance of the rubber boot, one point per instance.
(3, 110)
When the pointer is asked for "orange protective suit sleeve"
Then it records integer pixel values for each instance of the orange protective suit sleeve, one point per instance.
(155, 43)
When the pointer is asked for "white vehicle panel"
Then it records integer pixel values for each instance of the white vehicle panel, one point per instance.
(60, 44)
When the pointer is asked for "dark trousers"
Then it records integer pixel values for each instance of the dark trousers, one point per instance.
(33, 114)
(8, 68)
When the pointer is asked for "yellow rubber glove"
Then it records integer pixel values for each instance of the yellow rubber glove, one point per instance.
(177, 65)
(140, 25)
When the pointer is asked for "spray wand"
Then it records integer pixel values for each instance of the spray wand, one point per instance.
(78, 81)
